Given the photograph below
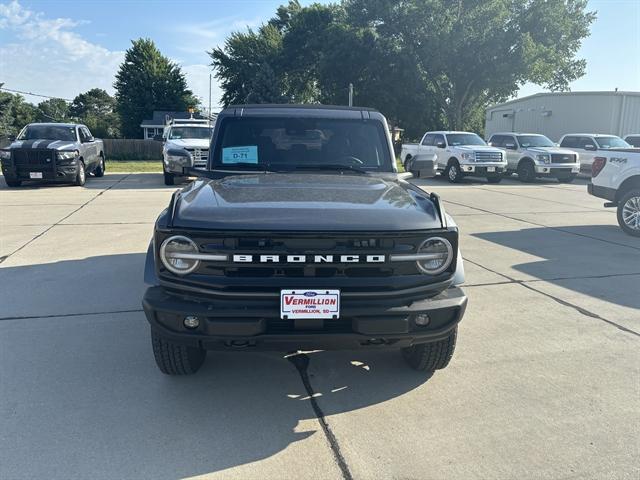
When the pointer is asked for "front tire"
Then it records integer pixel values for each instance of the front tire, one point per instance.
(453, 172)
(176, 359)
(101, 168)
(169, 178)
(81, 176)
(629, 212)
(526, 171)
(428, 357)
(12, 183)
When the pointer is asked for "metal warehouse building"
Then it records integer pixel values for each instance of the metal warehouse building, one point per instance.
(554, 114)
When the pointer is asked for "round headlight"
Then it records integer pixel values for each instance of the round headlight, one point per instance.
(177, 255)
(437, 254)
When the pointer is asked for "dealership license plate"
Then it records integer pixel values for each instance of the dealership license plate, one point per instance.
(35, 174)
(297, 304)
(491, 169)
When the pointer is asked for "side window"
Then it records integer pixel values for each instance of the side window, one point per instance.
(428, 140)
(569, 142)
(509, 140)
(83, 135)
(438, 138)
(496, 141)
(87, 134)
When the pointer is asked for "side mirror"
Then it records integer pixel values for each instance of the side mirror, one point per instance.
(590, 147)
(441, 145)
(510, 146)
(12, 138)
(157, 138)
(90, 139)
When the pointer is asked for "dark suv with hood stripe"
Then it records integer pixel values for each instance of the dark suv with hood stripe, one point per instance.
(300, 235)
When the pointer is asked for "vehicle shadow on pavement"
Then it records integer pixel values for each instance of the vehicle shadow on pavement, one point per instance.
(82, 389)
(600, 261)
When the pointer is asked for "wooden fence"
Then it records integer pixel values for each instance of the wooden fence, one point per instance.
(132, 149)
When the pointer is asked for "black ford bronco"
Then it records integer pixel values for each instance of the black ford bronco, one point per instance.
(300, 235)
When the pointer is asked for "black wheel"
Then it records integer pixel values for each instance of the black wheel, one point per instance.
(494, 179)
(12, 183)
(629, 212)
(175, 359)
(101, 168)
(169, 178)
(526, 171)
(431, 356)
(453, 172)
(81, 176)
(406, 164)
(568, 179)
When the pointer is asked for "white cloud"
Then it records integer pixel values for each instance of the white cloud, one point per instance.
(47, 56)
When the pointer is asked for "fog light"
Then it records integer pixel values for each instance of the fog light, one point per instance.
(191, 322)
(421, 319)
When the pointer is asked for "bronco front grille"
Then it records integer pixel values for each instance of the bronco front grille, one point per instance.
(488, 156)
(563, 158)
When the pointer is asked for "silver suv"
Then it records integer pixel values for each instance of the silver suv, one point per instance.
(531, 155)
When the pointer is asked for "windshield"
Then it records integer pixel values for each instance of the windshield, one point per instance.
(611, 142)
(291, 143)
(527, 141)
(48, 132)
(455, 139)
(177, 133)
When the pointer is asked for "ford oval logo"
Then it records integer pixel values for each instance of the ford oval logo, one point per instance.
(310, 294)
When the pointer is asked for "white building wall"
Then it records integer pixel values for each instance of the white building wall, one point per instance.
(554, 114)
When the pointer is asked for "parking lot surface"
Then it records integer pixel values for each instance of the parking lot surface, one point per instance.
(545, 381)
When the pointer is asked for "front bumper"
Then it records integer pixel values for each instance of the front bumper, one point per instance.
(557, 169)
(57, 173)
(255, 323)
(483, 169)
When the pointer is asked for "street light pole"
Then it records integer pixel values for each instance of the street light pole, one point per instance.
(209, 112)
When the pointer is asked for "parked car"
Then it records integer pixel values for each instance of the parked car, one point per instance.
(52, 152)
(186, 146)
(591, 145)
(633, 140)
(531, 155)
(459, 154)
(615, 176)
(303, 236)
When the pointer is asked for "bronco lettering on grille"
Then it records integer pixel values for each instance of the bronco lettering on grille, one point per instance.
(309, 258)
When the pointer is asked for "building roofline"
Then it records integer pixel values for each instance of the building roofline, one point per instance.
(557, 94)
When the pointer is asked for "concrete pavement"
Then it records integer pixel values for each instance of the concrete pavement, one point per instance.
(545, 382)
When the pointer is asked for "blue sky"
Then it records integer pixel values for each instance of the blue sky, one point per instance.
(65, 47)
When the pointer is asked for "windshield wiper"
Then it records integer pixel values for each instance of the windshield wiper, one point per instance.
(329, 166)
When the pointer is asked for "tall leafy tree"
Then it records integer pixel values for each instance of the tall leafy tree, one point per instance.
(97, 110)
(53, 110)
(148, 81)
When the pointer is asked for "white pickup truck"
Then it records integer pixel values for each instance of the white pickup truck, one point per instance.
(458, 154)
(591, 145)
(186, 145)
(615, 176)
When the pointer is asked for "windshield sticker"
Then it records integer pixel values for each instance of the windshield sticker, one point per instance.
(248, 154)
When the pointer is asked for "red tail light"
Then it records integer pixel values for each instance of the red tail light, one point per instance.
(597, 166)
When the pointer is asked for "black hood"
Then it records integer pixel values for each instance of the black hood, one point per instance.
(43, 144)
(304, 202)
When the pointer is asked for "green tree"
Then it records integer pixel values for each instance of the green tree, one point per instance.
(96, 109)
(15, 113)
(53, 110)
(148, 81)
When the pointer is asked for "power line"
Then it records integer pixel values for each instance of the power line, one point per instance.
(33, 94)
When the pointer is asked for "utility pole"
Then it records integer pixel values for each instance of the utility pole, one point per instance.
(209, 112)
(351, 94)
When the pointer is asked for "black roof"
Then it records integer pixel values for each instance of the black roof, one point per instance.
(303, 106)
(297, 110)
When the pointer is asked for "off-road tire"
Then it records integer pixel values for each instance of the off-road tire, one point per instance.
(175, 359)
(453, 166)
(431, 356)
(627, 197)
(169, 178)
(12, 183)
(406, 164)
(526, 171)
(101, 168)
(496, 179)
(81, 176)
